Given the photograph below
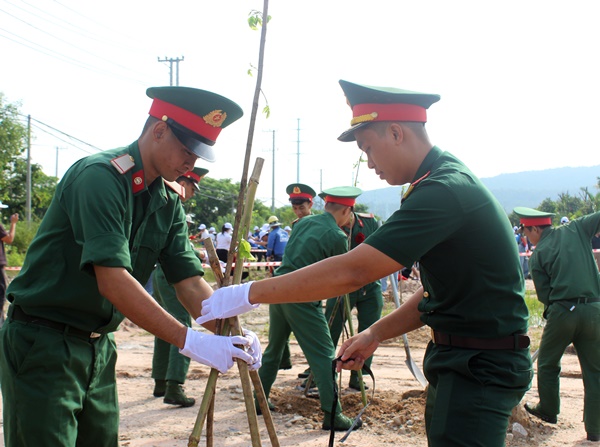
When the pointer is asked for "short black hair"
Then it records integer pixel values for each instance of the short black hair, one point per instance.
(299, 201)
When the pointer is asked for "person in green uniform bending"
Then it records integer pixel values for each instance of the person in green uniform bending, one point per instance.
(367, 300)
(314, 238)
(472, 295)
(169, 367)
(301, 199)
(113, 216)
(567, 282)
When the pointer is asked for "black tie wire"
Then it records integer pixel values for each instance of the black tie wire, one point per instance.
(366, 369)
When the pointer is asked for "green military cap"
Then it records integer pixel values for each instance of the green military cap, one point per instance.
(371, 104)
(195, 175)
(532, 218)
(195, 116)
(300, 191)
(344, 195)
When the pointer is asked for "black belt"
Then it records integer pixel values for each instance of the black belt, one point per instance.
(577, 300)
(517, 341)
(16, 313)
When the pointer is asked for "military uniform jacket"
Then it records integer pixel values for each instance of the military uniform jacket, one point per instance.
(562, 264)
(471, 275)
(314, 238)
(102, 214)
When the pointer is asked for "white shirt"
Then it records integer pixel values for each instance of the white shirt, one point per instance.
(223, 241)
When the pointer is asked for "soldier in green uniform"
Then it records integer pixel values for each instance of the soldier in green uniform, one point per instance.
(114, 214)
(169, 367)
(472, 295)
(314, 238)
(567, 282)
(367, 300)
(301, 199)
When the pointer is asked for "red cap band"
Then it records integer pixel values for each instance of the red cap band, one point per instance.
(192, 176)
(302, 195)
(348, 201)
(187, 119)
(536, 221)
(390, 112)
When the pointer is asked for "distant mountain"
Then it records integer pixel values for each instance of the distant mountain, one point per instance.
(528, 188)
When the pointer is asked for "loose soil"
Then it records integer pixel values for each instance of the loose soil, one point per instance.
(395, 415)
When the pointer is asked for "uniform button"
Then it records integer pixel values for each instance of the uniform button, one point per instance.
(426, 294)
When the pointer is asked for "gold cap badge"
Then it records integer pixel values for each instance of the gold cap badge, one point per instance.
(215, 118)
(297, 190)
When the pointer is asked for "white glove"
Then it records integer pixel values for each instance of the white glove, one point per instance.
(216, 351)
(226, 302)
(254, 349)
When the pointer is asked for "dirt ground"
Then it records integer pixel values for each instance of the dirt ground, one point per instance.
(395, 415)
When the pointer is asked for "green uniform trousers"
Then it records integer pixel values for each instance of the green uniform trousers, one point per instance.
(580, 326)
(472, 393)
(58, 389)
(167, 362)
(307, 322)
(368, 306)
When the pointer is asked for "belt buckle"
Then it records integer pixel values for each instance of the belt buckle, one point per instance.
(95, 335)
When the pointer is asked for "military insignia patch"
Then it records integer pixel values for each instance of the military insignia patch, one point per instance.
(123, 163)
(216, 118)
(296, 190)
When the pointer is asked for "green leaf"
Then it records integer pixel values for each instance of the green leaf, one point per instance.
(267, 111)
(244, 250)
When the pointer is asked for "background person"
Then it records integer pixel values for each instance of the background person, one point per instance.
(314, 238)
(478, 364)
(223, 242)
(6, 237)
(169, 366)
(567, 282)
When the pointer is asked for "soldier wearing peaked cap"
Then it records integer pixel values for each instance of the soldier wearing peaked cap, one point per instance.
(567, 282)
(301, 198)
(169, 367)
(478, 363)
(314, 238)
(113, 216)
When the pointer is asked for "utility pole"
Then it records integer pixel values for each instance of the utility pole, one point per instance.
(273, 180)
(28, 175)
(298, 153)
(56, 166)
(171, 61)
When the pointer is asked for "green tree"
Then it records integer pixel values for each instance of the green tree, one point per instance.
(13, 140)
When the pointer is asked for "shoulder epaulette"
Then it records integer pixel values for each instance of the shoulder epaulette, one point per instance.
(123, 163)
(371, 215)
(176, 187)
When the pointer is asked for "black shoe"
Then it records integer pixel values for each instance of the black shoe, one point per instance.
(174, 395)
(341, 422)
(594, 437)
(285, 364)
(356, 386)
(160, 386)
(257, 406)
(305, 374)
(538, 414)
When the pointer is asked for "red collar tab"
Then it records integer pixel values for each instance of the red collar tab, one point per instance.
(536, 221)
(180, 190)
(209, 126)
(341, 200)
(363, 113)
(138, 182)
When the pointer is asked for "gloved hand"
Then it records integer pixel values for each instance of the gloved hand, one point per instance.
(226, 302)
(216, 351)
(254, 349)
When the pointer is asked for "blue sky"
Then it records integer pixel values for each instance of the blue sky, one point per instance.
(518, 80)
